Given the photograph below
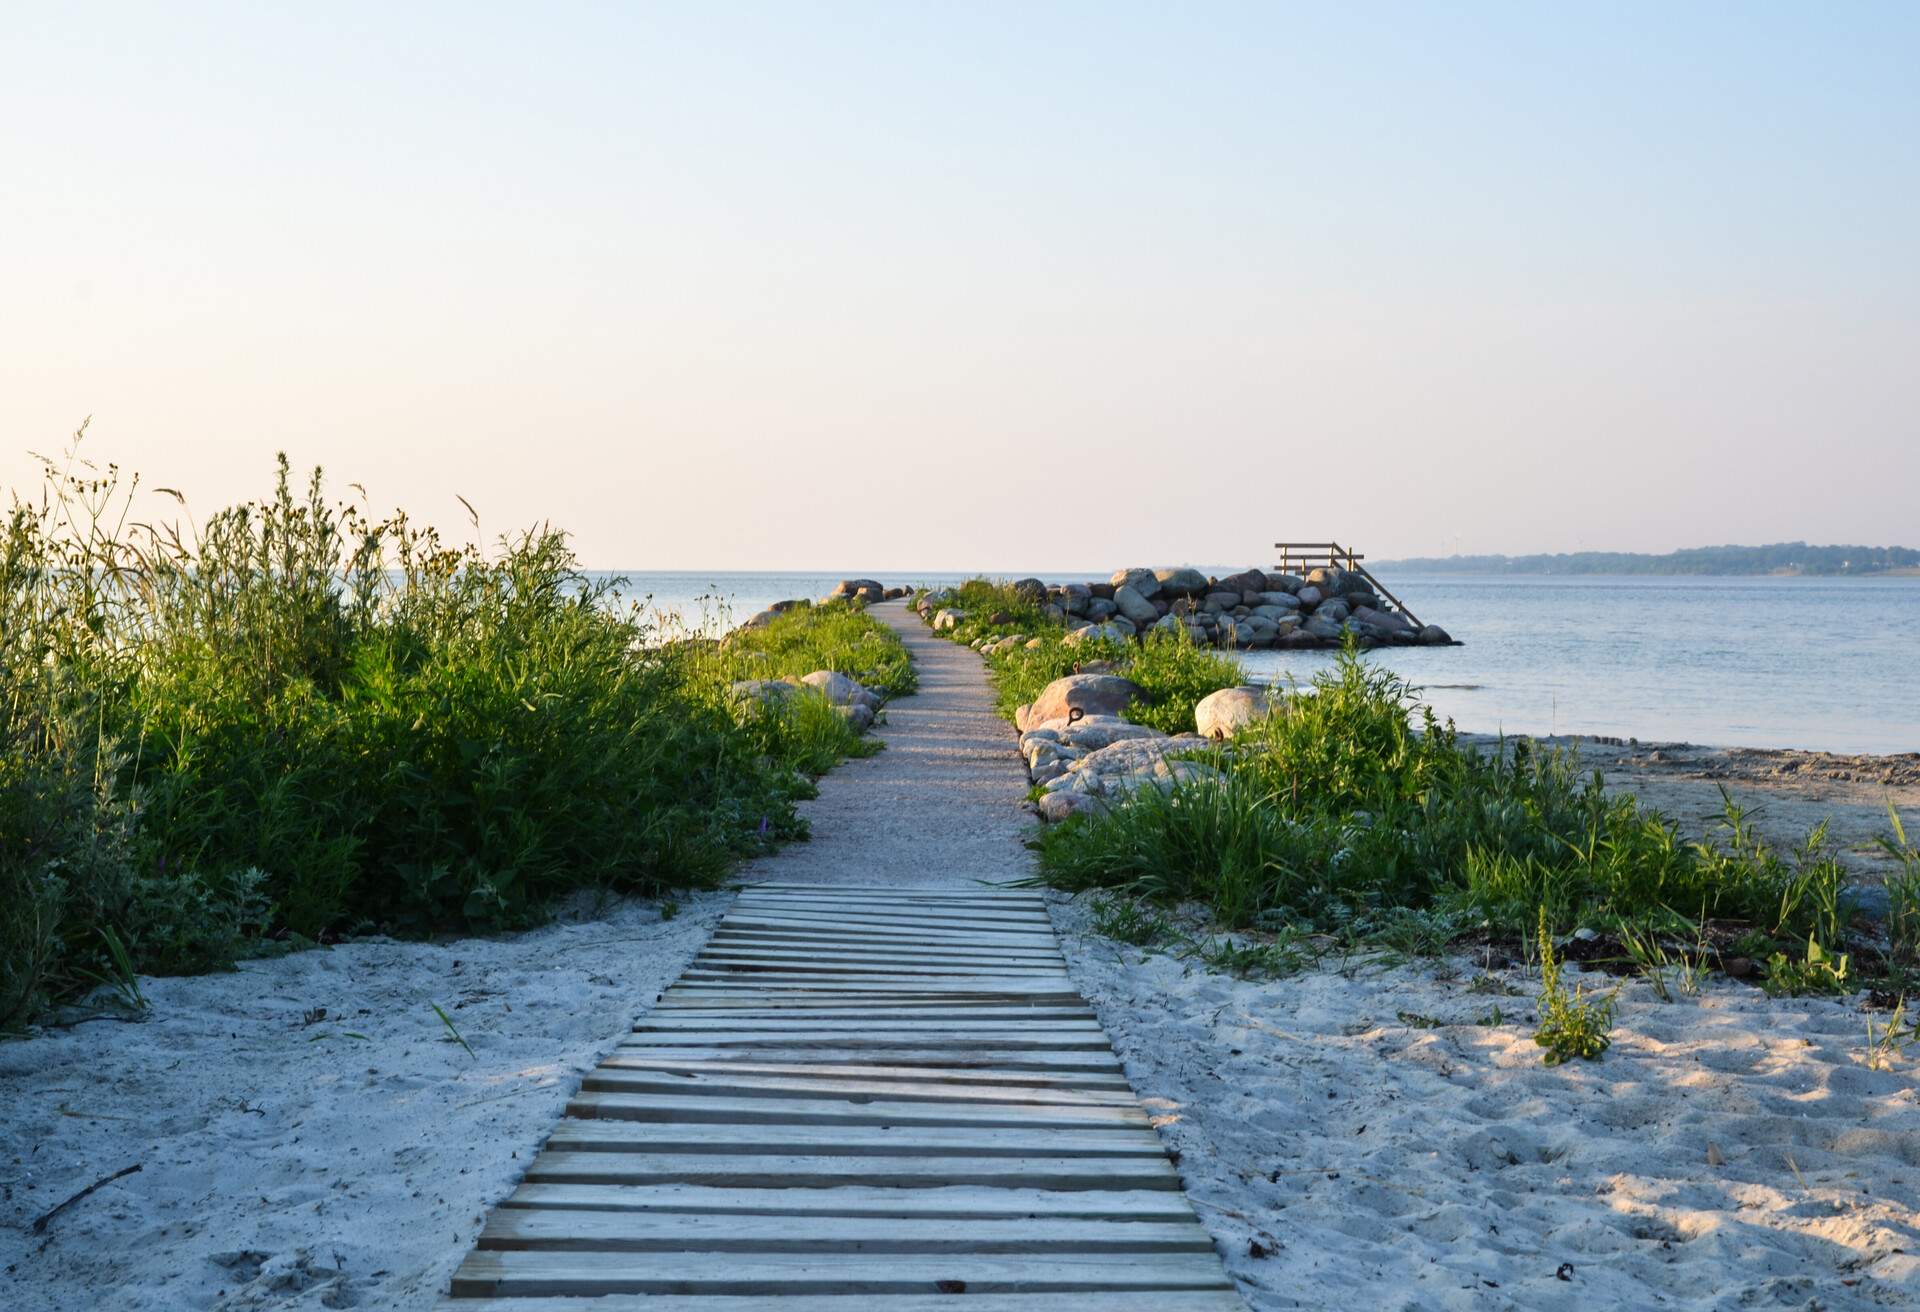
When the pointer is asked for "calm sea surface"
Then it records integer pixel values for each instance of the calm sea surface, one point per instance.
(1825, 664)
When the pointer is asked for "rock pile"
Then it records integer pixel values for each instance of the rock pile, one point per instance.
(864, 591)
(1254, 608)
(856, 703)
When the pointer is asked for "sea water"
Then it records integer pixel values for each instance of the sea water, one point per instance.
(1822, 664)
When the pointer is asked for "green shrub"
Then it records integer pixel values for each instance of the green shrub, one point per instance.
(300, 720)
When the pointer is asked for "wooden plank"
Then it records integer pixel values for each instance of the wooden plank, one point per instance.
(1159, 1300)
(972, 916)
(773, 921)
(935, 1059)
(792, 965)
(870, 953)
(657, 1024)
(928, 892)
(494, 1273)
(576, 1135)
(704, 1106)
(818, 1171)
(529, 1230)
(676, 1084)
(1000, 1013)
(954, 1203)
(1077, 1074)
(999, 983)
(1012, 924)
(948, 1040)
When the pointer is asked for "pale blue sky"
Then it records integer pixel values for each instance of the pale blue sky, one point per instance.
(983, 286)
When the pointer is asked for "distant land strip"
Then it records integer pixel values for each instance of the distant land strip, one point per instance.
(1781, 558)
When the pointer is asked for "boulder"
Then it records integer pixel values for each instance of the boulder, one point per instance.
(1128, 601)
(1283, 600)
(837, 688)
(1274, 614)
(1134, 763)
(863, 589)
(1220, 601)
(894, 594)
(1222, 714)
(767, 692)
(1247, 580)
(1090, 694)
(1380, 619)
(1101, 590)
(1323, 628)
(1331, 580)
(1284, 582)
(1435, 636)
(1074, 597)
(1077, 737)
(1143, 581)
(948, 619)
(857, 714)
(1309, 597)
(1055, 807)
(1030, 590)
(1181, 582)
(1332, 609)
(761, 619)
(1096, 632)
(1098, 609)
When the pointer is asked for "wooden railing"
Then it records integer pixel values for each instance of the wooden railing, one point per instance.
(1302, 557)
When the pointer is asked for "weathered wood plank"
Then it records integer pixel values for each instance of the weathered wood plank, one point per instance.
(945, 1039)
(678, 1084)
(804, 1171)
(575, 1135)
(703, 1106)
(521, 1229)
(816, 1012)
(953, 1203)
(865, 1025)
(1159, 1300)
(932, 1059)
(1103, 1073)
(495, 1273)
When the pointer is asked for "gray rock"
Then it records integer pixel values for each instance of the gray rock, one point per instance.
(863, 589)
(1220, 601)
(1331, 580)
(1435, 636)
(1380, 619)
(1032, 590)
(1247, 580)
(1181, 581)
(1098, 609)
(1134, 763)
(1283, 600)
(1332, 609)
(1142, 581)
(857, 714)
(1055, 807)
(838, 688)
(1128, 601)
(1096, 632)
(1309, 597)
(1222, 714)
(767, 692)
(1284, 582)
(1074, 598)
(948, 619)
(1090, 694)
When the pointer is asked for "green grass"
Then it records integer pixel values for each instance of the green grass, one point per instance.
(1341, 814)
(298, 722)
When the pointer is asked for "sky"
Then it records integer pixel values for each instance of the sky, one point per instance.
(990, 286)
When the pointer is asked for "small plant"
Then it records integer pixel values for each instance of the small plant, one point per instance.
(1569, 1026)
(1903, 891)
(1819, 972)
(1128, 920)
(1649, 957)
(120, 975)
(1891, 1043)
(669, 909)
(455, 1034)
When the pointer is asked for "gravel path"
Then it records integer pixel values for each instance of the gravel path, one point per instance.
(941, 805)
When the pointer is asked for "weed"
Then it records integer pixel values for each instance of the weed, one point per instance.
(1819, 972)
(1128, 921)
(1903, 890)
(1570, 1026)
(455, 1035)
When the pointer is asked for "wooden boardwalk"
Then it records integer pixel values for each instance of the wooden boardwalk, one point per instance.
(855, 1098)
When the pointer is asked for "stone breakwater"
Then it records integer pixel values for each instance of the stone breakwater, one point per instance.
(1251, 609)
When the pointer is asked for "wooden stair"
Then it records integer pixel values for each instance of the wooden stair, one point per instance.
(855, 1098)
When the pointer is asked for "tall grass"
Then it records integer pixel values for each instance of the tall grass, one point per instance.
(1340, 810)
(297, 721)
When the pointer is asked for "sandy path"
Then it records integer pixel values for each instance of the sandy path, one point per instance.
(941, 805)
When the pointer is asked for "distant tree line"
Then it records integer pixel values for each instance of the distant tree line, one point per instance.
(1778, 558)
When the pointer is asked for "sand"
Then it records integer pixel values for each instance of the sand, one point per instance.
(286, 1163)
